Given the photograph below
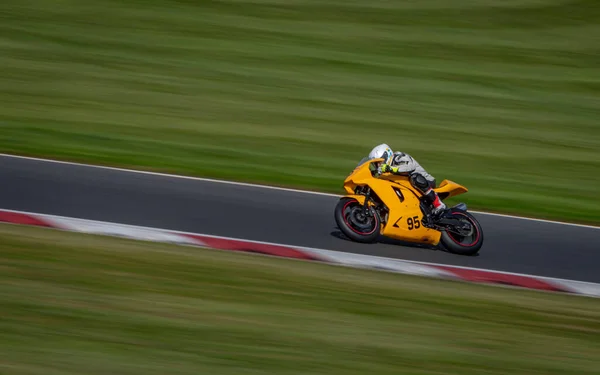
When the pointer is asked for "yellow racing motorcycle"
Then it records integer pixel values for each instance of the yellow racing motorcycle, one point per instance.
(390, 206)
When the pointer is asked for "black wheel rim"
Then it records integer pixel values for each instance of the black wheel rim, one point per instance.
(357, 221)
(467, 234)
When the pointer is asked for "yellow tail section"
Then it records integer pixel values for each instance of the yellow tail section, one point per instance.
(449, 189)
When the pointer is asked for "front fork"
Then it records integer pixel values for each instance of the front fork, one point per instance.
(366, 210)
(366, 203)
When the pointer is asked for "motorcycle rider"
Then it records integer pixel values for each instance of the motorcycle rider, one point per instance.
(402, 163)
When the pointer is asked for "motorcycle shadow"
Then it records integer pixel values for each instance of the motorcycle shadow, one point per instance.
(390, 241)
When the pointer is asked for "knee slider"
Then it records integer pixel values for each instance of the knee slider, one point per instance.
(419, 182)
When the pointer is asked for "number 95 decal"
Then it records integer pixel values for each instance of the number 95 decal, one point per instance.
(413, 223)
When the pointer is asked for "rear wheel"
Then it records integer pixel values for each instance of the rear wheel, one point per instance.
(350, 218)
(466, 238)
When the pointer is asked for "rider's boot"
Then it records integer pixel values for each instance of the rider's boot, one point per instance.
(436, 202)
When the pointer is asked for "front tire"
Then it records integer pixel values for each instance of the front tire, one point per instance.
(468, 243)
(354, 224)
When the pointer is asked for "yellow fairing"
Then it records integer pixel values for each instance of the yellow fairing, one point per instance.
(404, 220)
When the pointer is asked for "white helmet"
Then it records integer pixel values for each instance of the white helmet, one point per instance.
(382, 151)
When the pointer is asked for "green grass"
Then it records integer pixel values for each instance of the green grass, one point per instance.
(501, 96)
(80, 304)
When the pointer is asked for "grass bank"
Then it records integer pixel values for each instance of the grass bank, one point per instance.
(81, 304)
(499, 96)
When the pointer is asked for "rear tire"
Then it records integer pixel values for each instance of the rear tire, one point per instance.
(464, 245)
(356, 226)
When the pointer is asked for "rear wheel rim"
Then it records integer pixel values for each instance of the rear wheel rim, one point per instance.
(355, 219)
(471, 237)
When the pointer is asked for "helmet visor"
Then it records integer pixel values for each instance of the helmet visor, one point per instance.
(387, 156)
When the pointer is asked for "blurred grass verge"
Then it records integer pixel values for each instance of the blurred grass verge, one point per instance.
(82, 304)
(499, 96)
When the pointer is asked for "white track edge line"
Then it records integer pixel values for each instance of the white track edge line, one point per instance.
(374, 257)
(268, 187)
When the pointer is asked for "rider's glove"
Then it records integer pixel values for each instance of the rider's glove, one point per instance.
(383, 168)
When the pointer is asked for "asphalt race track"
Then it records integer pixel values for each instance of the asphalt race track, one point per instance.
(293, 218)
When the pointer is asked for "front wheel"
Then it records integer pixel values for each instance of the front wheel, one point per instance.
(466, 238)
(352, 221)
